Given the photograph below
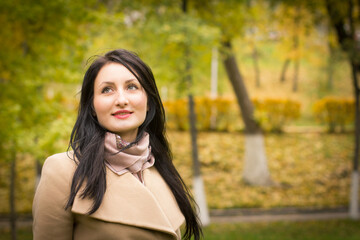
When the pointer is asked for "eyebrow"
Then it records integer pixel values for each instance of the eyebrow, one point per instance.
(131, 80)
(112, 83)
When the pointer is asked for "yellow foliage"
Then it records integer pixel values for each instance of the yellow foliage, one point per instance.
(211, 114)
(221, 114)
(272, 114)
(310, 169)
(177, 114)
(335, 112)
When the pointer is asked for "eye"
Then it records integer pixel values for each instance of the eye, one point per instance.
(106, 90)
(132, 86)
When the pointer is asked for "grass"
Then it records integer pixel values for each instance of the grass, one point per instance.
(310, 230)
(22, 234)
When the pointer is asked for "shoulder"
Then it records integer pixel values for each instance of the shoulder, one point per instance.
(56, 177)
(51, 220)
(59, 166)
(60, 162)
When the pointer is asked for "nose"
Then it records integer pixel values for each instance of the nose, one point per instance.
(121, 99)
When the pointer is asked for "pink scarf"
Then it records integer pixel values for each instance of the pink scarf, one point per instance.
(134, 159)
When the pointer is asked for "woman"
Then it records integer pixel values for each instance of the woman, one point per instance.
(118, 182)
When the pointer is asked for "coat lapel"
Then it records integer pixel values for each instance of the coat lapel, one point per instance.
(128, 201)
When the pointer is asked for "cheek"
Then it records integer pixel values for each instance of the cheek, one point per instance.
(140, 102)
(101, 105)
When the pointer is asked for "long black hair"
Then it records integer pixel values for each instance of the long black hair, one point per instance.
(87, 141)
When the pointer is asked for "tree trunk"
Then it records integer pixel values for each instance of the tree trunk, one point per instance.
(284, 69)
(12, 197)
(237, 82)
(296, 49)
(214, 86)
(256, 170)
(255, 57)
(330, 67)
(200, 196)
(354, 193)
(296, 75)
(296, 64)
(214, 73)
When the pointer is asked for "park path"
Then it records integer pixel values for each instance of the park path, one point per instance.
(241, 215)
(280, 214)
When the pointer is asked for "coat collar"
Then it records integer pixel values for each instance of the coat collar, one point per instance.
(128, 201)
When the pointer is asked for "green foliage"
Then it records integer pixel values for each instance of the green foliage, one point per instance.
(221, 114)
(335, 112)
(40, 45)
(175, 39)
(223, 14)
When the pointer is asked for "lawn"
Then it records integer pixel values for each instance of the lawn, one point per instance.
(309, 170)
(310, 230)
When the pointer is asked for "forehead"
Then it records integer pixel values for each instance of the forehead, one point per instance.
(114, 72)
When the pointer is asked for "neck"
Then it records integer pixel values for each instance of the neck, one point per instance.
(128, 137)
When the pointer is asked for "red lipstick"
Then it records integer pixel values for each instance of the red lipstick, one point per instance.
(122, 114)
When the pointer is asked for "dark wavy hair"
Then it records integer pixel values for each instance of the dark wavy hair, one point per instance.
(87, 141)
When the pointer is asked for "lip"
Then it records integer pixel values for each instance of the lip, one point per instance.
(122, 114)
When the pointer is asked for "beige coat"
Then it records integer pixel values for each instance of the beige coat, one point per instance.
(129, 210)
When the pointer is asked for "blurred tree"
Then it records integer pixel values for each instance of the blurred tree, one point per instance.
(230, 17)
(331, 64)
(158, 31)
(292, 27)
(198, 184)
(258, 28)
(344, 18)
(32, 43)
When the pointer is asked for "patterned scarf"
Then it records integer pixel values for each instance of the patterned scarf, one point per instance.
(134, 159)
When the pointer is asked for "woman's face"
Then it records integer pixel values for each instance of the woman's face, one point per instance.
(120, 102)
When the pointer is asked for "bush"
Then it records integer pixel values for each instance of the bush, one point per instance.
(211, 114)
(177, 114)
(334, 112)
(222, 114)
(273, 114)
